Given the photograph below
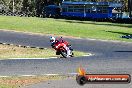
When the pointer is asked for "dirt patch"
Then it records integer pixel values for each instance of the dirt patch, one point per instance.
(14, 82)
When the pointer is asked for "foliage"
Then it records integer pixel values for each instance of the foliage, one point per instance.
(35, 6)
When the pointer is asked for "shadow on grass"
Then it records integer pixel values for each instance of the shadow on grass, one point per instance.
(124, 51)
(97, 23)
(122, 33)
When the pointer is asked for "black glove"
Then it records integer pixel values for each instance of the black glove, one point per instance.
(52, 45)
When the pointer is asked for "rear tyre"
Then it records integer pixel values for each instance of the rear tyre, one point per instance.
(64, 53)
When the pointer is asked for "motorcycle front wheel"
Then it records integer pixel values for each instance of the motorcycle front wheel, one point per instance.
(72, 54)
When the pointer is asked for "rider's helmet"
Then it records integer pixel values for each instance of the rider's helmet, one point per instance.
(52, 39)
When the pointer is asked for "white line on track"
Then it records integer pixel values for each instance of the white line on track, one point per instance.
(66, 74)
(4, 43)
(32, 58)
(51, 74)
(112, 41)
(88, 55)
(4, 76)
(27, 75)
(72, 73)
(42, 58)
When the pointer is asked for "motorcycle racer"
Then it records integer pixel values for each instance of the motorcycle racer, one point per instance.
(65, 44)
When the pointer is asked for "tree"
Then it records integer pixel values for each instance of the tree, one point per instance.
(36, 6)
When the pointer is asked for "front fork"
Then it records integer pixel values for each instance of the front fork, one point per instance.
(70, 47)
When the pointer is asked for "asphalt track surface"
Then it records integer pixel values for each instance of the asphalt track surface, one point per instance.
(110, 57)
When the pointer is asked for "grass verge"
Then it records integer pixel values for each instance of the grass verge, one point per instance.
(84, 29)
(16, 82)
(7, 51)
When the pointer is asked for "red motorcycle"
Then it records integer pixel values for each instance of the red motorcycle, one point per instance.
(61, 49)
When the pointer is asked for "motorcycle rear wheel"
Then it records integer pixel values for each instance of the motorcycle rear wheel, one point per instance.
(63, 53)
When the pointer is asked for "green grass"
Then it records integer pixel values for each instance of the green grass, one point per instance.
(7, 86)
(84, 29)
(7, 52)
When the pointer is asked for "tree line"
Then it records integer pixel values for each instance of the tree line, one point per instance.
(32, 7)
(35, 7)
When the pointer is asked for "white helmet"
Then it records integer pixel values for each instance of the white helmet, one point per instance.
(52, 39)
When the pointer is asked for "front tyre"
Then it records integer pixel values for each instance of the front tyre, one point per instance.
(72, 54)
